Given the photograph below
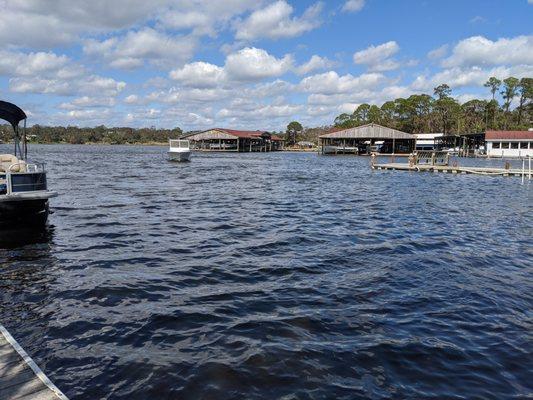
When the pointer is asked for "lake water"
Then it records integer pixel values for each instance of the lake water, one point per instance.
(272, 276)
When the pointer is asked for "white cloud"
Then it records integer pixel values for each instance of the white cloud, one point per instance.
(251, 64)
(274, 22)
(473, 76)
(204, 17)
(86, 102)
(480, 51)
(439, 52)
(199, 75)
(89, 85)
(477, 19)
(44, 64)
(260, 112)
(353, 5)
(315, 63)
(36, 23)
(150, 114)
(49, 73)
(377, 57)
(331, 83)
(139, 47)
(86, 115)
(132, 99)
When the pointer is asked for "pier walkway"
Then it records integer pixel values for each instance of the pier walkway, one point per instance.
(20, 377)
(452, 169)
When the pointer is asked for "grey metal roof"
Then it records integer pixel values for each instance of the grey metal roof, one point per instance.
(370, 131)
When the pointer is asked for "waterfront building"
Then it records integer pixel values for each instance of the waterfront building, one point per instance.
(366, 139)
(427, 141)
(509, 143)
(463, 144)
(231, 140)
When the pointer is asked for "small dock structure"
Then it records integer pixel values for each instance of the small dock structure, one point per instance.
(20, 377)
(367, 139)
(231, 140)
(438, 162)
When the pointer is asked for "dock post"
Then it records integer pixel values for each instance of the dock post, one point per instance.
(523, 170)
(529, 177)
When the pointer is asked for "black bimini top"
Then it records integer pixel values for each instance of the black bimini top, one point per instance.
(11, 113)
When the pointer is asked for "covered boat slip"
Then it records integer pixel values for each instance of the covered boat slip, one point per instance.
(464, 144)
(231, 140)
(367, 139)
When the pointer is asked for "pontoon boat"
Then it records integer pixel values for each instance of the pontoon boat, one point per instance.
(23, 189)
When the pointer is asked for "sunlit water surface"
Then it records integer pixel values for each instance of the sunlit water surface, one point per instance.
(277, 275)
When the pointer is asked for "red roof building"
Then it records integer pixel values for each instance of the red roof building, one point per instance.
(509, 135)
(509, 143)
(222, 139)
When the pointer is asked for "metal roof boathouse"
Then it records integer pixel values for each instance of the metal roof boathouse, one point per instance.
(220, 139)
(366, 139)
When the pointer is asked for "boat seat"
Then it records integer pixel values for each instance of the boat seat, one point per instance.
(8, 160)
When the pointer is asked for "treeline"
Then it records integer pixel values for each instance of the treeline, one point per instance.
(442, 113)
(98, 134)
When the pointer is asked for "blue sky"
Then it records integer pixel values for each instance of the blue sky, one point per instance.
(249, 64)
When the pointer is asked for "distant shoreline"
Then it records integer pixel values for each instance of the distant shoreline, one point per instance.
(312, 150)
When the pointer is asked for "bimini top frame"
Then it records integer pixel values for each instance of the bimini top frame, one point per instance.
(13, 114)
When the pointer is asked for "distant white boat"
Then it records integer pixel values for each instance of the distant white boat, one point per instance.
(179, 150)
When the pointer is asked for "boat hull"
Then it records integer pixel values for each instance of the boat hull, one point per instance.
(23, 213)
(180, 156)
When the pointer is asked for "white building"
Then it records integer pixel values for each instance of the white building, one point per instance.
(509, 143)
(426, 141)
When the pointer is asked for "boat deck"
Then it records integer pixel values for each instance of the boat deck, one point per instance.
(450, 169)
(20, 377)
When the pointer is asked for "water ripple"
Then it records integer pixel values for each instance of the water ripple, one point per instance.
(287, 276)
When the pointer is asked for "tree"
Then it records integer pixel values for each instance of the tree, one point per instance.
(474, 115)
(525, 89)
(442, 91)
(374, 114)
(442, 113)
(388, 114)
(509, 92)
(360, 115)
(448, 110)
(494, 84)
(293, 129)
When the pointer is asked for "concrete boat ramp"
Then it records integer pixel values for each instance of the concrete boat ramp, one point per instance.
(20, 377)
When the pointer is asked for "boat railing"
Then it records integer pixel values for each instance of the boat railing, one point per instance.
(23, 177)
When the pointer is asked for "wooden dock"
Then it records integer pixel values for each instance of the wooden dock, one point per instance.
(20, 377)
(450, 169)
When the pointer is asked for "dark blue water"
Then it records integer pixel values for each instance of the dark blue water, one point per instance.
(272, 276)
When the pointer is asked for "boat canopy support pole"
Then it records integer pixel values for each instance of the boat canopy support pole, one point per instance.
(25, 141)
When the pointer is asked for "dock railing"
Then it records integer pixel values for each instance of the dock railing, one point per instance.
(429, 158)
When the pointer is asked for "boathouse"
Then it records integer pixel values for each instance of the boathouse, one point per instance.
(366, 139)
(221, 139)
(509, 143)
(464, 144)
